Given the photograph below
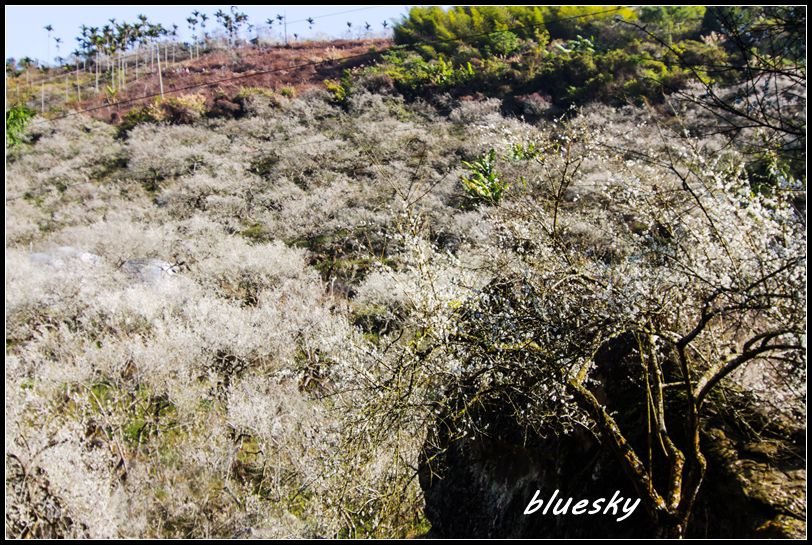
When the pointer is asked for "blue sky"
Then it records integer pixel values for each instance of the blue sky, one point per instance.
(25, 35)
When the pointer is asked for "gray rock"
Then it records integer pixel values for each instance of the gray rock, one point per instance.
(63, 256)
(148, 270)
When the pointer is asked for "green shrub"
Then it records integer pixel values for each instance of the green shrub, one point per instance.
(412, 73)
(341, 89)
(133, 118)
(288, 91)
(502, 43)
(698, 57)
(525, 151)
(178, 110)
(674, 21)
(17, 119)
(484, 182)
(593, 56)
(251, 91)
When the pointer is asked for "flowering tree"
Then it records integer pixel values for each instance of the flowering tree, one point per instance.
(701, 277)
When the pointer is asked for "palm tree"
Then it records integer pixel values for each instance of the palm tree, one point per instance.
(58, 42)
(50, 29)
(203, 19)
(237, 19)
(96, 40)
(174, 35)
(224, 19)
(26, 63)
(192, 22)
(349, 29)
(283, 18)
(82, 39)
(310, 22)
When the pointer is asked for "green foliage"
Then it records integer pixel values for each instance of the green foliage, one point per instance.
(525, 151)
(484, 182)
(17, 119)
(674, 22)
(183, 109)
(567, 22)
(492, 30)
(412, 72)
(287, 91)
(769, 173)
(133, 118)
(179, 110)
(702, 59)
(252, 91)
(579, 44)
(502, 43)
(256, 233)
(592, 55)
(340, 90)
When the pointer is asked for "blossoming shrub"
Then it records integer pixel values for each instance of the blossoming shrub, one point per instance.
(333, 294)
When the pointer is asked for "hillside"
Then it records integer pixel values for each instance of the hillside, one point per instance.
(297, 67)
(397, 297)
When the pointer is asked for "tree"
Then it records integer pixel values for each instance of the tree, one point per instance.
(284, 20)
(231, 23)
(192, 22)
(270, 23)
(673, 21)
(240, 18)
(49, 28)
(701, 278)
(755, 98)
(58, 43)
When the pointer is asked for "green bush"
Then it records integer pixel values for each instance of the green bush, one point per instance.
(410, 72)
(341, 89)
(502, 43)
(17, 119)
(484, 182)
(674, 22)
(182, 109)
(593, 55)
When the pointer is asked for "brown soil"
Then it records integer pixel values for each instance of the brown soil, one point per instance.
(300, 66)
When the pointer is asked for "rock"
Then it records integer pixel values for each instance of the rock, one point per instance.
(148, 270)
(63, 256)
(782, 527)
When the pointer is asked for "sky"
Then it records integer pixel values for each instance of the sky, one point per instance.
(26, 35)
